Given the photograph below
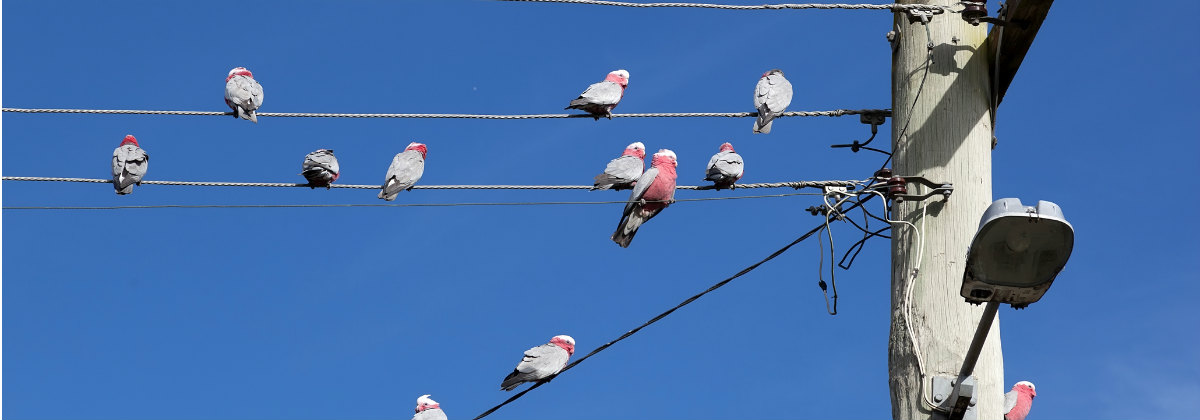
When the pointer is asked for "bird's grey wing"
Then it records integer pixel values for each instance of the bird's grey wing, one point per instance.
(535, 358)
(430, 414)
(137, 161)
(118, 163)
(256, 93)
(780, 93)
(761, 91)
(603, 93)
(730, 164)
(244, 92)
(639, 190)
(407, 168)
(627, 168)
(1010, 401)
(321, 159)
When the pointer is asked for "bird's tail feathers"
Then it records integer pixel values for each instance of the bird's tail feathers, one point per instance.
(626, 230)
(762, 125)
(511, 381)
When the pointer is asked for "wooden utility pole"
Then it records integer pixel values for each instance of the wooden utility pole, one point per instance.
(941, 131)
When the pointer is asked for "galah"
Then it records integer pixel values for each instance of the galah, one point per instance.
(725, 167)
(600, 98)
(541, 362)
(320, 168)
(407, 168)
(772, 95)
(129, 165)
(1019, 401)
(654, 191)
(243, 94)
(428, 409)
(622, 172)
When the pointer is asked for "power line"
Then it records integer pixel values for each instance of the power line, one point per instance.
(716, 286)
(833, 113)
(260, 206)
(892, 7)
(790, 184)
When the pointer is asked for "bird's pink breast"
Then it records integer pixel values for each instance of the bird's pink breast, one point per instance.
(662, 188)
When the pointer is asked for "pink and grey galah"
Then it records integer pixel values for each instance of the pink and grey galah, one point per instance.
(725, 167)
(428, 409)
(406, 169)
(772, 96)
(622, 172)
(243, 94)
(129, 165)
(654, 191)
(600, 98)
(320, 168)
(541, 362)
(1019, 401)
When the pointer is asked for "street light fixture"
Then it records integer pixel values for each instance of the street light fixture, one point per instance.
(1013, 259)
(1016, 253)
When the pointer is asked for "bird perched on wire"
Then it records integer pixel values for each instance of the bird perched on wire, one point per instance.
(428, 409)
(622, 172)
(320, 168)
(600, 98)
(654, 191)
(725, 167)
(541, 362)
(772, 96)
(129, 165)
(406, 169)
(1019, 401)
(243, 94)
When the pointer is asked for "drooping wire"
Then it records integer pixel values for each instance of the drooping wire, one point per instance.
(662, 315)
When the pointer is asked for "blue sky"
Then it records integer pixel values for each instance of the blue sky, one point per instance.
(354, 312)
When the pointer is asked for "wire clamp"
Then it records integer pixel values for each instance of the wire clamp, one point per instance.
(897, 188)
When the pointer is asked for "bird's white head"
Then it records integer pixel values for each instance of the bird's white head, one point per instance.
(1032, 389)
(726, 147)
(636, 149)
(420, 147)
(666, 154)
(240, 71)
(773, 71)
(565, 341)
(426, 403)
(620, 77)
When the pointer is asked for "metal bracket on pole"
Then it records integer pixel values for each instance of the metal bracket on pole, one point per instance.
(959, 402)
(896, 187)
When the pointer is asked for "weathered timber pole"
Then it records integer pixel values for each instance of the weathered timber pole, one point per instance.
(940, 130)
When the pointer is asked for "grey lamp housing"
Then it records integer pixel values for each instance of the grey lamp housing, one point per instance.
(1016, 253)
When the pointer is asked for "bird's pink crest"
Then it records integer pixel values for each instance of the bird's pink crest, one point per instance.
(565, 342)
(663, 157)
(420, 147)
(620, 77)
(129, 139)
(726, 147)
(426, 403)
(635, 149)
(239, 71)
